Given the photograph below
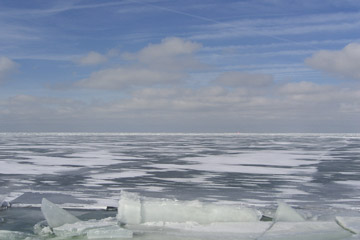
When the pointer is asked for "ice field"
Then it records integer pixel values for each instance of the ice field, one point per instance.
(179, 186)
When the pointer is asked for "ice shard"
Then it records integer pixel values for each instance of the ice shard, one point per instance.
(56, 216)
(129, 209)
(285, 213)
(136, 210)
(65, 225)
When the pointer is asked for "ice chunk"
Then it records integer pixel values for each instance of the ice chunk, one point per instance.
(285, 213)
(42, 229)
(110, 232)
(56, 216)
(129, 209)
(81, 227)
(180, 211)
(13, 235)
(351, 224)
(135, 210)
(4, 204)
(305, 231)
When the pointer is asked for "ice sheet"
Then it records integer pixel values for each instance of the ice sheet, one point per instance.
(29, 163)
(276, 162)
(290, 190)
(352, 183)
(269, 158)
(13, 167)
(109, 178)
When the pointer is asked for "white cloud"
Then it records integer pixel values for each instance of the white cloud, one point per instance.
(286, 101)
(243, 79)
(122, 77)
(344, 63)
(6, 66)
(92, 58)
(163, 63)
(302, 106)
(304, 87)
(31, 107)
(168, 47)
(171, 53)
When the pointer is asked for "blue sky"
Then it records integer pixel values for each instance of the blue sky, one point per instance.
(180, 66)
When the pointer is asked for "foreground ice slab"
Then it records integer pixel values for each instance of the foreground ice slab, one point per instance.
(351, 224)
(81, 227)
(56, 216)
(110, 232)
(214, 231)
(13, 235)
(136, 210)
(93, 229)
(305, 231)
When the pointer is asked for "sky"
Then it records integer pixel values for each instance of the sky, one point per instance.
(248, 66)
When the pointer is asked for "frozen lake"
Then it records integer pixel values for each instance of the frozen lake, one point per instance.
(316, 173)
